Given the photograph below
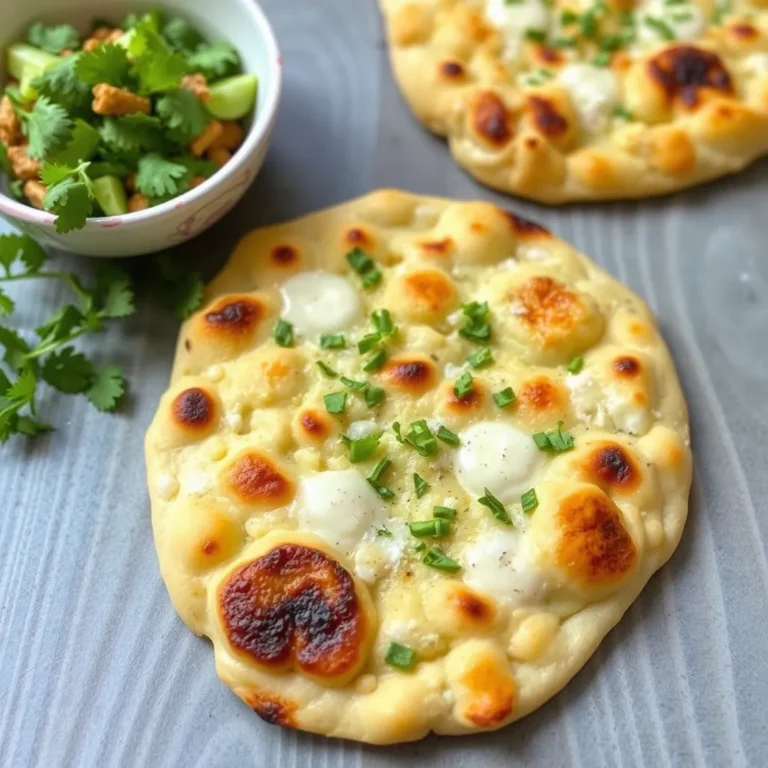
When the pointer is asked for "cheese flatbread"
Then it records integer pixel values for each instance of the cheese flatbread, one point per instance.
(563, 100)
(417, 457)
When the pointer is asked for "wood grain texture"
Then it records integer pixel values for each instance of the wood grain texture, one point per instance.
(95, 668)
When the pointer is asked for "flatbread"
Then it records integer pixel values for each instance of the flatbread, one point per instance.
(601, 106)
(273, 544)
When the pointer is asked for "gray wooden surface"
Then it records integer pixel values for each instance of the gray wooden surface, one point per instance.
(95, 668)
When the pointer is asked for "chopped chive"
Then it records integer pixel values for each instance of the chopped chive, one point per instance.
(284, 333)
(496, 507)
(602, 59)
(481, 358)
(373, 396)
(529, 500)
(420, 437)
(335, 402)
(611, 42)
(660, 26)
(476, 328)
(568, 17)
(376, 361)
(576, 364)
(420, 485)
(447, 436)
(435, 528)
(536, 35)
(362, 449)
(420, 547)
(588, 24)
(382, 320)
(362, 263)
(351, 384)
(504, 398)
(333, 341)
(623, 112)
(368, 342)
(375, 476)
(444, 513)
(327, 370)
(555, 440)
(396, 430)
(436, 558)
(380, 469)
(463, 385)
(400, 656)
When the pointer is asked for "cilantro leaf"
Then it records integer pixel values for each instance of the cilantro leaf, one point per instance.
(16, 348)
(187, 295)
(47, 127)
(21, 247)
(158, 67)
(53, 173)
(215, 61)
(7, 304)
(157, 176)
(59, 324)
(118, 301)
(82, 144)
(72, 202)
(68, 371)
(182, 35)
(62, 86)
(107, 63)
(130, 135)
(107, 387)
(183, 113)
(53, 39)
(196, 166)
(107, 168)
(29, 427)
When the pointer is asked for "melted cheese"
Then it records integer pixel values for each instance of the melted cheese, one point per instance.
(514, 19)
(320, 302)
(381, 549)
(339, 506)
(684, 20)
(499, 564)
(593, 91)
(498, 457)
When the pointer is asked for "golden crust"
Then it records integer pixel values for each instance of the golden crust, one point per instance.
(300, 621)
(514, 122)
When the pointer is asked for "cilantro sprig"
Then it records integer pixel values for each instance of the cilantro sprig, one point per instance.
(51, 356)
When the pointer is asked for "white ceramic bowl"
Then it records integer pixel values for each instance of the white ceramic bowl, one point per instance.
(243, 24)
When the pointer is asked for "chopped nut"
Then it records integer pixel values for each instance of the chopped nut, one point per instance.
(130, 182)
(231, 137)
(198, 85)
(10, 132)
(200, 145)
(109, 100)
(24, 167)
(196, 181)
(137, 202)
(114, 35)
(219, 156)
(35, 192)
(91, 44)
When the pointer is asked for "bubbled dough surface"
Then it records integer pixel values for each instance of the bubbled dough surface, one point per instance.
(497, 663)
(669, 147)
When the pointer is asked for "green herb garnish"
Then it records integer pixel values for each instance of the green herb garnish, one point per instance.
(364, 265)
(505, 397)
(496, 507)
(376, 361)
(481, 358)
(444, 513)
(333, 341)
(420, 485)
(445, 434)
(576, 364)
(555, 440)
(284, 333)
(362, 449)
(400, 656)
(335, 402)
(477, 328)
(419, 436)
(464, 385)
(659, 26)
(435, 528)
(327, 370)
(529, 500)
(436, 558)
(375, 476)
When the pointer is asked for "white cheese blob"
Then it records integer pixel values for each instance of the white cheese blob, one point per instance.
(756, 63)
(684, 20)
(381, 549)
(359, 429)
(626, 416)
(498, 457)
(339, 506)
(499, 564)
(593, 91)
(514, 19)
(320, 302)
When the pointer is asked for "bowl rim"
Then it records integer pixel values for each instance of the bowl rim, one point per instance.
(258, 132)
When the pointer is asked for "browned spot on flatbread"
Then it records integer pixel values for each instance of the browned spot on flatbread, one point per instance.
(610, 466)
(525, 228)
(274, 710)
(295, 607)
(413, 374)
(684, 71)
(546, 118)
(491, 119)
(255, 479)
(626, 366)
(194, 409)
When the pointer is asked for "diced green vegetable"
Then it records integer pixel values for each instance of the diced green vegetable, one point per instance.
(25, 62)
(233, 97)
(110, 195)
